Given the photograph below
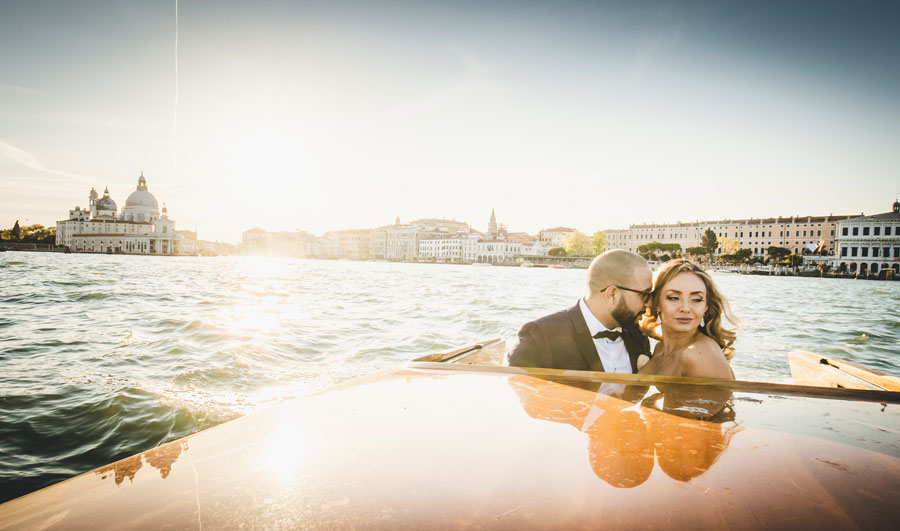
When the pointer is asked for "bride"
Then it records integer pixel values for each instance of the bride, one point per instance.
(685, 314)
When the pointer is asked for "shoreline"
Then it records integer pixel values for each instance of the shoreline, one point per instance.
(49, 248)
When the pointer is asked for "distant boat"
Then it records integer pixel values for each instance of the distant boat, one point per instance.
(526, 264)
(557, 266)
(481, 264)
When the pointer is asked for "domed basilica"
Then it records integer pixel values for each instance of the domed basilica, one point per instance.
(139, 228)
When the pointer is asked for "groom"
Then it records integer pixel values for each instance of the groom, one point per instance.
(600, 332)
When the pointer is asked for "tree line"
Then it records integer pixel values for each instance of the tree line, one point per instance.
(36, 233)
(731, 252)
(580, 244)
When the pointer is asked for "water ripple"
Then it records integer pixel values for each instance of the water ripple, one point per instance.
(105, 356)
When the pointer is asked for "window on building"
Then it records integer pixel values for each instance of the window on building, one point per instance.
(887, 231)
(832, 232)
(865, 251)
(876, 231)
(856, 231)
(818, 233)
(844, 231)
(853, 251)
(885, 251)
(865, 231)
(896, 252)
(804, 234)
(843, 251)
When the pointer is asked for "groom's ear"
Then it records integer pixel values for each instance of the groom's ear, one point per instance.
(610, 293)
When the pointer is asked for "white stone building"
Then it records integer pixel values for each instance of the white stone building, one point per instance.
(140, 228)
(795, 233)
(869, 244)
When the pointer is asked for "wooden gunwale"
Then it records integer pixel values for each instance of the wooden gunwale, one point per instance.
(866, 395)
(810, 368)
(459, 353)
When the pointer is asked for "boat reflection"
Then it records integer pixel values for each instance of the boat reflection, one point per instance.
(625, 437)
(161, 458)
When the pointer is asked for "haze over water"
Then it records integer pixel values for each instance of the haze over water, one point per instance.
(107, 356)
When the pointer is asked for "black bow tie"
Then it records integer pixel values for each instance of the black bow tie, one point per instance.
(608, 334)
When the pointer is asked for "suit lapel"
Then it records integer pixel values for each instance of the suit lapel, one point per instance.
(634, 344)
(584, 340)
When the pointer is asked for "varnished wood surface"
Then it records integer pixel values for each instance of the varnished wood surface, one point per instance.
(809, 368)
(504, 448)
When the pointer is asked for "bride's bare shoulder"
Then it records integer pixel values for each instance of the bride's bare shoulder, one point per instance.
(704, 357)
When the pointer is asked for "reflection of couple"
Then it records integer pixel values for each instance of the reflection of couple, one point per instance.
(682, 309)
(623, 440)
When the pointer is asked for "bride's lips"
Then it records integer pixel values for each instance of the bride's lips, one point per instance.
(684, 320)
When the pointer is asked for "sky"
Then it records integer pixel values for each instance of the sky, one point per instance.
(333, 115)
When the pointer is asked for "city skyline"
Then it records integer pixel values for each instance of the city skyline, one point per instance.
(341, 115)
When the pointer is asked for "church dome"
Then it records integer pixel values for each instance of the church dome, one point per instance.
(106, 203)
(142, 197)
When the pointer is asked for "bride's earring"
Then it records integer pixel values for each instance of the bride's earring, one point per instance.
(703, 321)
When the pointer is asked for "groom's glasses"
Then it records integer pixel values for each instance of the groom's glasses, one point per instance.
(645, 294)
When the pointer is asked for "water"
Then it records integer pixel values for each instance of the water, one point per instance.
(106, 356)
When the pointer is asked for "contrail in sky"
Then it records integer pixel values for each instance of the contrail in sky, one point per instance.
(175, 111)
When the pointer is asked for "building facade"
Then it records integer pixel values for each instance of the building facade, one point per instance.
(798, 234)
(140, 228)
(554, 237)
(869, 244)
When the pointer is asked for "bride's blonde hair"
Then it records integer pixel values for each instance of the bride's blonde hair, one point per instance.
(716, 306)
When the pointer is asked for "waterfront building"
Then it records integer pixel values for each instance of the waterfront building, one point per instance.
(443, 249)
(140, 228)
(535, 250)
(259, 242)
(401, 241)
(353, 244)
(869, 244)
(521, 237)
(801, 235)
(255, 242)
(554, 237)
(497, 251)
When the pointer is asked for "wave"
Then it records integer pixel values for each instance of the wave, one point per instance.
(93, 296)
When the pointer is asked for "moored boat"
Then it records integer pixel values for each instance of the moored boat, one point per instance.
(454, 440)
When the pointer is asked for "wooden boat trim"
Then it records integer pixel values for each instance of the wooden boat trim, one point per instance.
(459, 353)
(867, 395)
(809, 368)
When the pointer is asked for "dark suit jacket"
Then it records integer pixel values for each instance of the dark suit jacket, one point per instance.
(562, 341)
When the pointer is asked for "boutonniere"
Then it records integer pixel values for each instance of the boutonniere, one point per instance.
(642, 360)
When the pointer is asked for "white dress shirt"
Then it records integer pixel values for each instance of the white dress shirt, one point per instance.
(612, 353)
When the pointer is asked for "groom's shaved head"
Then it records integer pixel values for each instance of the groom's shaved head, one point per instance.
(615, 267)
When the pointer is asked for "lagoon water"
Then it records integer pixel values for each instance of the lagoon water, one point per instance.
(106, 356)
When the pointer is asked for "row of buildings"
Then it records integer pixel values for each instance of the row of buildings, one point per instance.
(851, 244)
(430, 239)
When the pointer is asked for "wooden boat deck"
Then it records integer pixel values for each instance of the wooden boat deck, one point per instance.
(438, 444)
